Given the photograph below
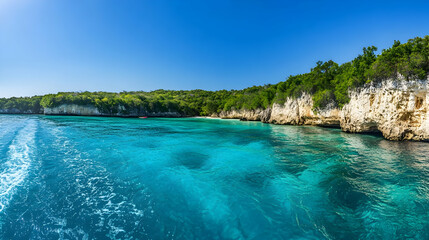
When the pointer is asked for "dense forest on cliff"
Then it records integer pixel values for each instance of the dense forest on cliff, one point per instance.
(328, 83)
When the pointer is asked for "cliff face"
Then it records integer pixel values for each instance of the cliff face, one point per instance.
(247, 115)
(292, 112)
(73, 109)
(396, 108)
(89, 110)
(300, 112)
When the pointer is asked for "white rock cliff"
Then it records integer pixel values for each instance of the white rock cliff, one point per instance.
(90, 110)
(396, 108)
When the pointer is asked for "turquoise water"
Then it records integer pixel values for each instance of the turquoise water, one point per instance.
(113, 178)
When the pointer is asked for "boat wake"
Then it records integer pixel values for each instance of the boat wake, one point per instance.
(86, 185)
(18, 160)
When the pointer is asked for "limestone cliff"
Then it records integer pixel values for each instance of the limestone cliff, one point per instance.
(297, 111)
(396, 108)
(247, 115)
(89, 110)
(73, 109)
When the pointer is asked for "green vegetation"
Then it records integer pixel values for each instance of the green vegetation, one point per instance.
(328, 83)
(193, 103)
(21, 105)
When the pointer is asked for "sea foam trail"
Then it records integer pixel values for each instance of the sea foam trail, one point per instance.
(15, 169)
(87, 186)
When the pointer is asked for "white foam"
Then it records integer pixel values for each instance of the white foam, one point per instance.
(94, 185)
(15, 169)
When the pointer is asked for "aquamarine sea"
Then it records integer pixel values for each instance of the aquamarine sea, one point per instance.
(116, 178)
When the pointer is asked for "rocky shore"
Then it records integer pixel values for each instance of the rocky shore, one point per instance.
(395, 108)
(398, 109)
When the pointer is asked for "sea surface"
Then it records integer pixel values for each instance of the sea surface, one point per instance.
(116, 178)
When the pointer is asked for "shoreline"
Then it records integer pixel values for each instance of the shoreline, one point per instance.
(219, 118)
(205, 117)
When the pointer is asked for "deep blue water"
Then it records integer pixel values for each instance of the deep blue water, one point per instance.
(113, 178)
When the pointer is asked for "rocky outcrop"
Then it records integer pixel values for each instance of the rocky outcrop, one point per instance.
(247, 115)
(73, 109)
(297, 111)
(89, 110)
(396, 108)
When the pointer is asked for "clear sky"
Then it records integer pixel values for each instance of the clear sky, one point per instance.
(48, 46)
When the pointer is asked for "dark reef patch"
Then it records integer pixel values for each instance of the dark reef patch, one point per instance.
(190, 159)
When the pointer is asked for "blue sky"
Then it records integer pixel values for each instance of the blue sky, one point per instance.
(48, 46)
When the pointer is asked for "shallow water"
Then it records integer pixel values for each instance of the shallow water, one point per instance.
(113, 178)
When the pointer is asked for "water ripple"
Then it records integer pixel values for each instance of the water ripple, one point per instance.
(112, 178)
